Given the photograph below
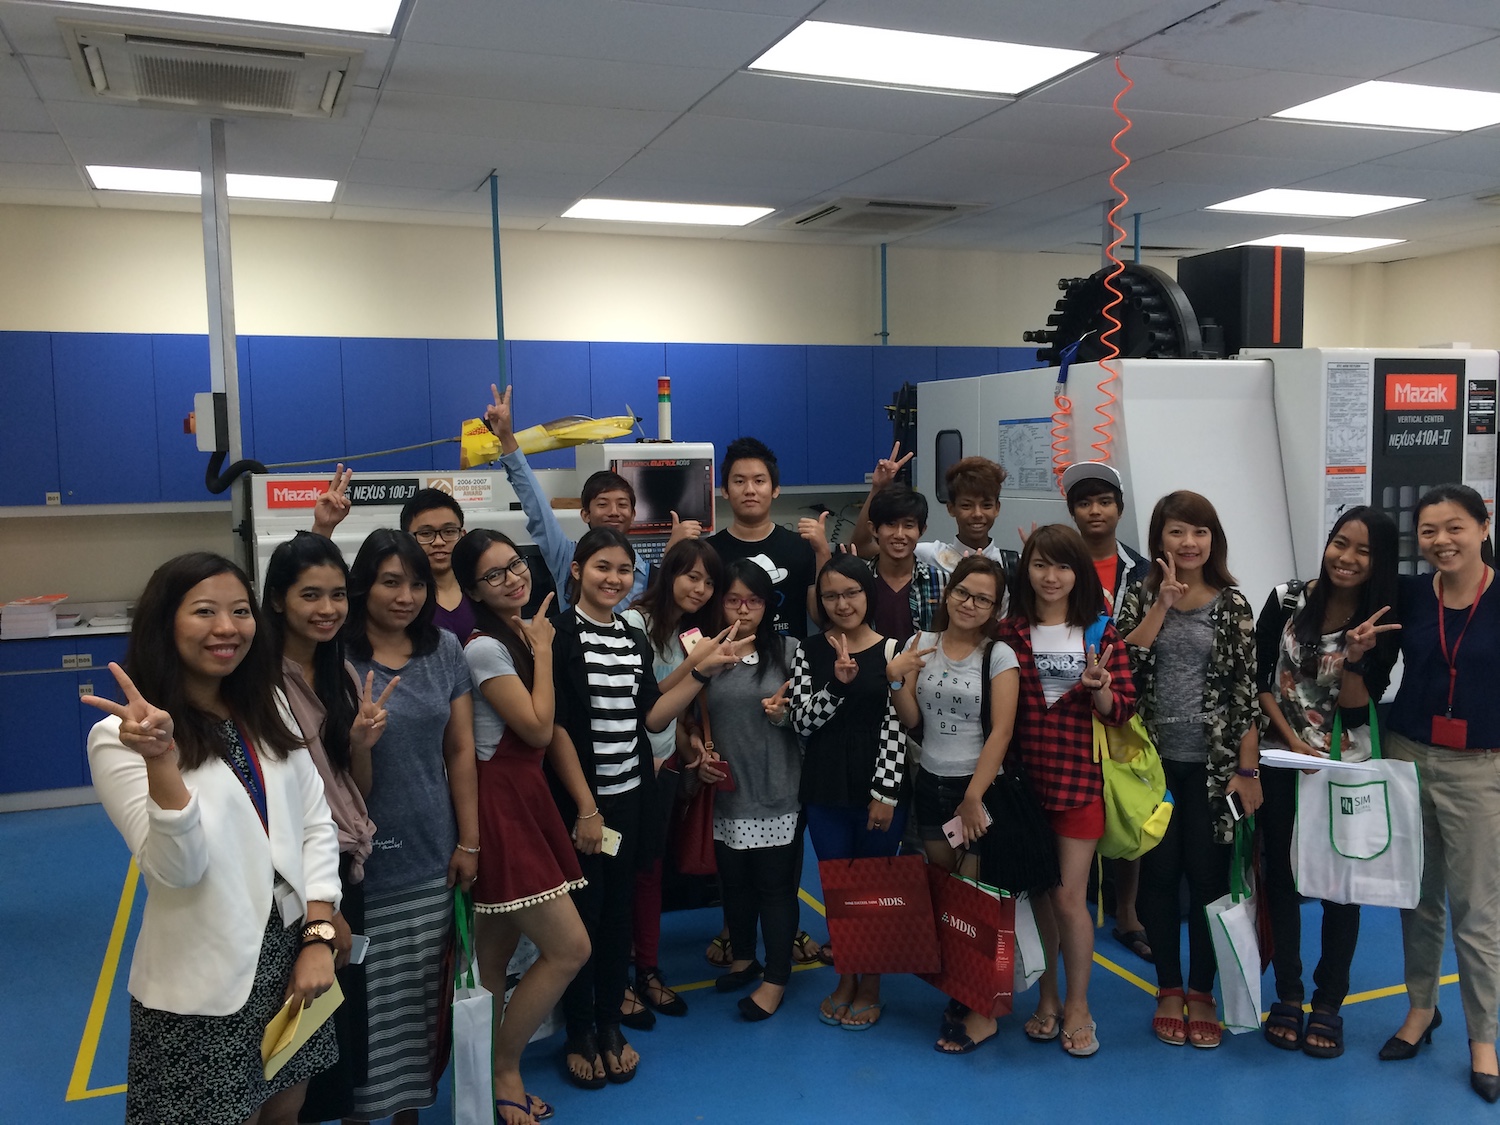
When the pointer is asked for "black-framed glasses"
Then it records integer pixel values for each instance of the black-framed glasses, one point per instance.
(833, 597)
(981, 601)
(517, 567)
(428, 536)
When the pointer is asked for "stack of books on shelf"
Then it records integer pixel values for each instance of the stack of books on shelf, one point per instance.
(30, 617)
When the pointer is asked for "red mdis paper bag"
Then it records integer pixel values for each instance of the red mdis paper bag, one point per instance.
(880, 915)
(976, 935)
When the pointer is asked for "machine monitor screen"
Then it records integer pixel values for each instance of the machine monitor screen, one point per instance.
(664, 485)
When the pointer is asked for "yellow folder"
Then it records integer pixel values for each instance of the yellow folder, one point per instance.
(293, 1026)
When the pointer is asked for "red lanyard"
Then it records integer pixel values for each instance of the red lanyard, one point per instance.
(1452, 658)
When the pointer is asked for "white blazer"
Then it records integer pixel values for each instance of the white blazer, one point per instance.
(209, 868)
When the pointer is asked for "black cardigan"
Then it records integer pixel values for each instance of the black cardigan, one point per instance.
(570, 684)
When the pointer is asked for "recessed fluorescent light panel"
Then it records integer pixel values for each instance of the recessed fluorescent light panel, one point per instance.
(371, 17)
(844, 52)
(641, 211)
(1324, 243)
(167, 181)
(1332, 204)
(1402, 105)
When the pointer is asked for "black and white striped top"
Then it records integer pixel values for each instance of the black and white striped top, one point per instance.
(613, 666)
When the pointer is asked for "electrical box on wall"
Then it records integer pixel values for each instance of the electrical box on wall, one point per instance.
(210, 421)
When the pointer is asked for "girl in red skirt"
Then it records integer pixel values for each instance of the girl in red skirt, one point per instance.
(527, 863)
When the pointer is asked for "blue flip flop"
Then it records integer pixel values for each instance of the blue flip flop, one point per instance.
(832, 1019)
(513, 1105)
(877, 1008)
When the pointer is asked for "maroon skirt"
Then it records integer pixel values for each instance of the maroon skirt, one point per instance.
(525, 854)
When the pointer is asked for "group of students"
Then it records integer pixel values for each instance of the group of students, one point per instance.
(534, 763)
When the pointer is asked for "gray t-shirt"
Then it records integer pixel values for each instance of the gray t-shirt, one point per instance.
(1183, 648)
(766, 760)
(949, 693)
(488, 659)
(409, 800)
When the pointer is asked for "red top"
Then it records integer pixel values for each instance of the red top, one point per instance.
(1057, 743)
(1108, 571)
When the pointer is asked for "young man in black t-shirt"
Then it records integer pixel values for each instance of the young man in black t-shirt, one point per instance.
(751, 480)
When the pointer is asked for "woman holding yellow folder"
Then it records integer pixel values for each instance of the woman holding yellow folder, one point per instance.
(204, 775)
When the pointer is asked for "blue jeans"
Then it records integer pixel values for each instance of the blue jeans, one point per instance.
(841, 833)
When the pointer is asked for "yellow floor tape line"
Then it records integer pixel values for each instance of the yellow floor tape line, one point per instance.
(88, 1046)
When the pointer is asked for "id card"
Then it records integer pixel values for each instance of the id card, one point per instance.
(1450, 733)
(609, 842)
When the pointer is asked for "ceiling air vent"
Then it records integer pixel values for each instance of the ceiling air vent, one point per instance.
(210, 74)
(887, 218)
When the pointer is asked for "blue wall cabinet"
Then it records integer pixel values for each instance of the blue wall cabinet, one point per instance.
(772, 391)
(459, 374)
(705, 393)
(551, 380)
(107, 418)
(180, 365)
(387, 402)
(297, 398)
(622, 377)
(840, 428)
(894, 366)
(28, 414)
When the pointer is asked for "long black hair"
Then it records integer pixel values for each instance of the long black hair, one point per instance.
(1378, 590)
(249, 691)
(466, 555)
(854, 569)
(378, 546)
(658, 601)
(769, 645)
(331, 681)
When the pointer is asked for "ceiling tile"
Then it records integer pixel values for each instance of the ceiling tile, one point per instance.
(1094, 126)
(59, 177)
(1295, 140)
(1473, 68)
(436, 218)
(1239, 174)
(457, 148)
(1289, 36)
(34, 148)
(682, 175)
(1474, 153)
(850, 149)
(601, 29)
(1388, 179)
(1175, 86)
(25, 115)
(46, 197)
(1473, 13)
(557, 79)
(527, 121)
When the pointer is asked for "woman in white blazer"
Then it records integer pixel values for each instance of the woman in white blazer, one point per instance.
(204, 776)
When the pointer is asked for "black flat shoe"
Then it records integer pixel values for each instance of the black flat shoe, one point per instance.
(755, 1013)
(648, 979)
(640, 1018)
(1487, 1086)
(733, 982)
(1397, 1049)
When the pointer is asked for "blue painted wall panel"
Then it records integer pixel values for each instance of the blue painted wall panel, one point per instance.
(625, 375)
(960, 363)
(839, 382)
(181, 371)
(28, 412)
(459, 374)
(387, 402)
(705, 396)
(106, 406)
(892, 367)
(551, 380)
(298, 398)
(772, 386)
(1017, 359)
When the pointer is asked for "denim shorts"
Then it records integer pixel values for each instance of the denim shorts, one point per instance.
(937, 801)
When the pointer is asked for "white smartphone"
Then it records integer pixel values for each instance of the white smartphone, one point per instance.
(609, 844)
(359, 945)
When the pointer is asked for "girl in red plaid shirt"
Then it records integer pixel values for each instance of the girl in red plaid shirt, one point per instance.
(1063, 686)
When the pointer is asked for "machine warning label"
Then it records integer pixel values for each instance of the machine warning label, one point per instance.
(1481, 406)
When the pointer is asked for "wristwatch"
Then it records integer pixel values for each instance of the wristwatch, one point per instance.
(1253, 772)
(315, 932)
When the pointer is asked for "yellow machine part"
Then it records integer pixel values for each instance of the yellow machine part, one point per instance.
(478, 446)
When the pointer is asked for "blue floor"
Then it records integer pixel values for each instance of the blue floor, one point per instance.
(60, 889)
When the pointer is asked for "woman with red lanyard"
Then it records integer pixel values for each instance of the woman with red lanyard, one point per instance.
(1446, 719)
(1064, 684)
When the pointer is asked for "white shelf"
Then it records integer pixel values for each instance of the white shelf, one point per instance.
(29, 511)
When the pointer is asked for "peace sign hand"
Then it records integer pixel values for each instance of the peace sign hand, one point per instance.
(332, 506)
(887, 468)
(712, 656)
(1096, 675)
(1361, 639)
(144, 728)
(369, 723)
(905, 663)
(845, 667)
(776, 706)
(497, 415)
(1171, 590)
(539, 631)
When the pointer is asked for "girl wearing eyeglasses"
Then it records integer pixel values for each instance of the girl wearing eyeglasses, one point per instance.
(1064, 685)
(530, 865)
(855, 762)
(941, 688)
(679, 598)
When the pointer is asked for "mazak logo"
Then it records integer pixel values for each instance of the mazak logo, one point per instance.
(960, 925)
(1403, 392)
(1353, 806)
(294, 493)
